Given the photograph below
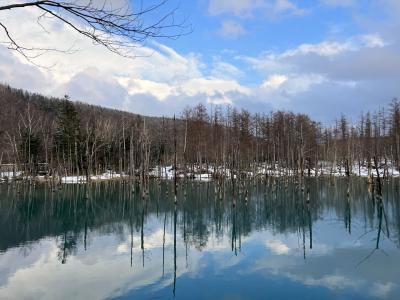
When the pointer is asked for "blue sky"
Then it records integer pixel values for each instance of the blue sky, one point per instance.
(261, 32)
(250, 31)
(321, 57)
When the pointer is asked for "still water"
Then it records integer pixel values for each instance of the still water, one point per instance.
(103, 242)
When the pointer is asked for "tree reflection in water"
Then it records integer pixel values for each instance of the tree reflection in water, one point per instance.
(72, 215)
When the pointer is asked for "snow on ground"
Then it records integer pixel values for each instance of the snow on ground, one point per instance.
(81, 179)
(203, 177)
(73, 179)
(9, 175)
(107, 176)
(165, 172)
(206, 173)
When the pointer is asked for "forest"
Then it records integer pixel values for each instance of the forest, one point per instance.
(51, 137)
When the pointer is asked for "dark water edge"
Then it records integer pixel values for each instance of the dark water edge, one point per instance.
(104, 242)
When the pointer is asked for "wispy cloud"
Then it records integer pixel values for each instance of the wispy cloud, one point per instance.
(248, 8)
(339, 3)
(231, 29)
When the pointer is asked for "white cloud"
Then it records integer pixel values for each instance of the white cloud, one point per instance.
(274, 81)
(286, 6)
(224, 70)
(353, 59)
(322, 49)
(320, 79)
(277, 247)
(163, 81)
(248, 8)
(382, 290)
(339, 3)
(97, 76)
(215, 89)
(373, 41)
(332, 282)
(159, 90)
(238, 8)
(231, 29)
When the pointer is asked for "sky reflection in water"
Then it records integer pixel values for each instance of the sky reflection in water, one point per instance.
(60, 245)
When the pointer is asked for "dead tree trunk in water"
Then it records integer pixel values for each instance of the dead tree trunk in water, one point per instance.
(163, 246)
(378, 178)
(132, 172)
(185, 157)
(175, 191)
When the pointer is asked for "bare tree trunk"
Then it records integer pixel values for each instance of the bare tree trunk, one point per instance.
(175, 190)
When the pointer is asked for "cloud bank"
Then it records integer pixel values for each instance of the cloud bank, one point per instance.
(324, 79)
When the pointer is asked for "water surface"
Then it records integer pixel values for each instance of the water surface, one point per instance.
(104, 242)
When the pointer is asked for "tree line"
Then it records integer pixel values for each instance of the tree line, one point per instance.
(40, 135)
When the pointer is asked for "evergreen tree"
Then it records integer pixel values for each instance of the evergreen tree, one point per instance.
(68, 137)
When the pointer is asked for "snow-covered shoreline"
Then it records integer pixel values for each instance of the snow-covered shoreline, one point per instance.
(208, 173)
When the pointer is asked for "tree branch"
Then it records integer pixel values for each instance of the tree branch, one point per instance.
(117, 29)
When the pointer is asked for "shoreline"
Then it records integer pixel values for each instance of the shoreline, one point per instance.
(203, 177)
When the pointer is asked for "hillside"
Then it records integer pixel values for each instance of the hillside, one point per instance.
(14, 104)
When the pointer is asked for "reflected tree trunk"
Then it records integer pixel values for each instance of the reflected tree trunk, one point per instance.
(163, 247)
(175, 219)
(142, 235)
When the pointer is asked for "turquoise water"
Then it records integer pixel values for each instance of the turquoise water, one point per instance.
(103, 242)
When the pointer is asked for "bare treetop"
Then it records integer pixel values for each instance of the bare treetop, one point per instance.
(119, 26)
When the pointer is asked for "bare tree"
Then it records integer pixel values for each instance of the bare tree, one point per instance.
(72, 138)
(116, 25)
